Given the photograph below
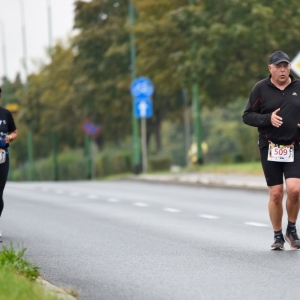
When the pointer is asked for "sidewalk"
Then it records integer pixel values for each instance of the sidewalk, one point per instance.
(208, 179)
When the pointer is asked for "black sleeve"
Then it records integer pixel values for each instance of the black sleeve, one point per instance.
(252, 115)
(11, 126)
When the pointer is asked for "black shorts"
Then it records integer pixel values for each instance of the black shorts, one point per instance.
(274, 171)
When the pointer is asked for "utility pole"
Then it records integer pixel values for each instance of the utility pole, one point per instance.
(3, 46)
(53, 132)
(135, 127)
(196, 110)
(29, 135)
(186, 124)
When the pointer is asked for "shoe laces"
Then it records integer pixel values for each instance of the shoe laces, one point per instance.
(279, 239)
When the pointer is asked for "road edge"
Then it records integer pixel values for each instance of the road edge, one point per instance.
(59, 292)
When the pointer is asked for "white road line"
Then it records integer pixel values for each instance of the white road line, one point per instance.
(92, 196)
(44, 189)
(24, 187)
(256, 224)
(173, 210)
(58, 191)
(75, 194)
(208, 217)
(140, 204)
(113, 200)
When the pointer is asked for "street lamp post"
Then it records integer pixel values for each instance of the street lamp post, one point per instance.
(3, 46)
(196, 111)
(53, 134)
(29, 135)
(49, 24)
(135, 128)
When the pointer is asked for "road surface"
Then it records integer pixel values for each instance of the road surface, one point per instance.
(133, 240)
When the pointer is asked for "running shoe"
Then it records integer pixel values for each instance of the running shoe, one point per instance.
(278, 243)
(292, 238)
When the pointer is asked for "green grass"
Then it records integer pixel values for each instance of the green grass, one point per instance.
(17, 287)
(17, 277)
(249, 168)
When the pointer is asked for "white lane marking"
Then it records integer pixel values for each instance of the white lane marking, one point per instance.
(92, 196)
(208, 217)
(113, 200)
(44, 189)
(256, 224)
(74, 194)
(140, 204)
(59, 191)
(173, 210)
(24, 187)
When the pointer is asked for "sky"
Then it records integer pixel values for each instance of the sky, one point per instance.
(37, 33)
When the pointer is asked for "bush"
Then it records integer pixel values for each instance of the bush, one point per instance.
(74, 166)
(159, 163)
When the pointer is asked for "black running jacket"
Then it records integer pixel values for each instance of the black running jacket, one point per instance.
(264, 99)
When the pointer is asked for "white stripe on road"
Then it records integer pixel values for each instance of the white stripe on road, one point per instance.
(92, 196)
(58, 191)
(173, 210)
(140, 204)
(74, 194)
(113, 200)
(208, 217)
(256, 224)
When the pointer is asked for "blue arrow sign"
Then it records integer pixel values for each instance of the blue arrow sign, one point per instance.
(143, 108)
(142, 88)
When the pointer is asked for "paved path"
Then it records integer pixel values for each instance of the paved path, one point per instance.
(210, 179)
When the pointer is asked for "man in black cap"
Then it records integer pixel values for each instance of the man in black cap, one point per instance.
(274, 108)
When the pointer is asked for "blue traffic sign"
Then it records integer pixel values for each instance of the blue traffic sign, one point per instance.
(142, 88)
(143, 108)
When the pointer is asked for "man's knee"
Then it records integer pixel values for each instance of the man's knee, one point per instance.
(276, 196)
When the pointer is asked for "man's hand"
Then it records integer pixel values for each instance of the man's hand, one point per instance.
(276, 120)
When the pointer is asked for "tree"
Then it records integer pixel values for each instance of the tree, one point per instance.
(103, 66)
(158, 51)
(233, 41)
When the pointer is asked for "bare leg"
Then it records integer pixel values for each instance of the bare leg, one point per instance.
(275, 206)
(292, 201)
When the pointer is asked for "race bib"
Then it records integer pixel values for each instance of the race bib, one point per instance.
(281, 153)
(2, 156)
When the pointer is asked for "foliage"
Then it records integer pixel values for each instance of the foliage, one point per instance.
(72, 165)
(102, 62)
(223, 47)
(159, 163)
(13, 259)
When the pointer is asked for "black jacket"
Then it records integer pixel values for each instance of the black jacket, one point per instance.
(264, 99)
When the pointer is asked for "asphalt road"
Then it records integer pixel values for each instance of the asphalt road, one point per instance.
(132, 240)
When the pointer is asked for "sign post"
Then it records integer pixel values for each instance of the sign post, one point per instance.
(141, 90)
(91, 130)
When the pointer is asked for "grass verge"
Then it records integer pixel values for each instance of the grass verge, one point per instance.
(249, 168)
(17, 277)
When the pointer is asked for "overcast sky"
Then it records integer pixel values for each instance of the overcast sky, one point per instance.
(36, 24)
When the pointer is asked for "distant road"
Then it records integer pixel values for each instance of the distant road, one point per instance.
(133, 240)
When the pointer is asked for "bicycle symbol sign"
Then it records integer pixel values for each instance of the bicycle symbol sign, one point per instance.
(141, 88)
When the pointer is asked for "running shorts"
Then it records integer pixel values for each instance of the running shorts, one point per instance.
(274, 171)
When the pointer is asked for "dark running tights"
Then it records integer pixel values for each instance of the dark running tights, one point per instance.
(3, 177)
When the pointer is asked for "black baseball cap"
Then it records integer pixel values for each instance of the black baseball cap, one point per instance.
(278, 57)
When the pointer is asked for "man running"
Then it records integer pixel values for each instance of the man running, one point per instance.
(274, 108)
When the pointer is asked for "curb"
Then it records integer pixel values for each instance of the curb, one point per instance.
(60, 293)
(252, 186)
